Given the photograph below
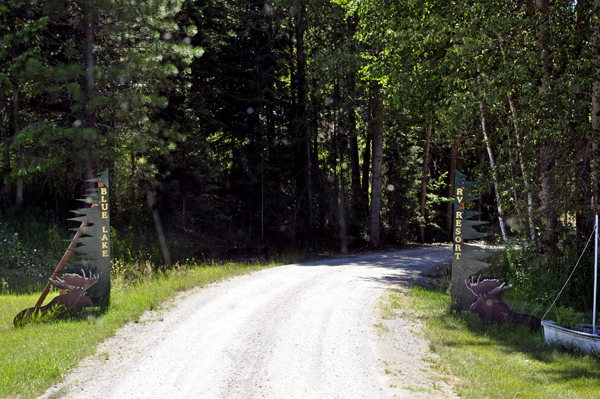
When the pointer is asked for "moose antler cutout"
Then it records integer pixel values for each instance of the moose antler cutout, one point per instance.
(490, 307)
(74, 299)
(75, 285)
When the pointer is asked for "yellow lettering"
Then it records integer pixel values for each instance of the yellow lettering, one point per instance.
(104, 237)
(104, 207)
(457, 231)
(457, 248)
(458, 239)
(104, 229)
(104, 245)
(105, 253)
(459, 199)
(459, 223)
(457, 255)
(459, 191)
(104, 215)
(103, 199)
(459, 215)
(103, 191)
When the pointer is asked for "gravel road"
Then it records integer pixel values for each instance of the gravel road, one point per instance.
(296, 331)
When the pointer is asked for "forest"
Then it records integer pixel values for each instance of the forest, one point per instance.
(305, 125)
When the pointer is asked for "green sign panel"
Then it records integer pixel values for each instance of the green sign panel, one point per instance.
(93, 247)
(465, 257)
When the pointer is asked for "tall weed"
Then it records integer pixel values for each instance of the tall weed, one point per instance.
(539, 278)
(30, 248)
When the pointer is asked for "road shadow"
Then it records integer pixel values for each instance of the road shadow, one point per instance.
(407, 267)
(421, 258)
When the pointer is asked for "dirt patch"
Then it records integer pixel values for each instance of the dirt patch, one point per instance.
(409, 362)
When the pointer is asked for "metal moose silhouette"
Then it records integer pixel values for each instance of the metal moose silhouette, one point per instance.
(490, 307)
(74, 299)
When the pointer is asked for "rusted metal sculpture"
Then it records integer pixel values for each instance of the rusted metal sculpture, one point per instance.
(74, 298)
(490, 307)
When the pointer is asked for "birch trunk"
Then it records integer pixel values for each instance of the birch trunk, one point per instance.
(530, 204)
(494, 175)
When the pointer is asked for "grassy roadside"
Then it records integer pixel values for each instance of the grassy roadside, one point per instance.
(35, 357)
(496, 361)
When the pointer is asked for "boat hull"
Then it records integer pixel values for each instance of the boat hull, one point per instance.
(584, 342)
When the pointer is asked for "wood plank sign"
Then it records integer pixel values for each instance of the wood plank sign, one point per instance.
(465, 257)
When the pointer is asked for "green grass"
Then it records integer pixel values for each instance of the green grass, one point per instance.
(497, 361)
(36, 356)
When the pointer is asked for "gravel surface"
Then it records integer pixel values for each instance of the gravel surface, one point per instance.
(311, 330)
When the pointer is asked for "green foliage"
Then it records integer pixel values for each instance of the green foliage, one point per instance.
(539, 279)
(31, 246)
(252, 121)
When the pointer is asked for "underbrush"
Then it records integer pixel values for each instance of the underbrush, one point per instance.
(36, 356)
(30, 248)
(496, 361)
(538, 279)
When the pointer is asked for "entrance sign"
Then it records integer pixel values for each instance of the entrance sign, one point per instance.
(93, 246)
(465, 257)
(88, 283)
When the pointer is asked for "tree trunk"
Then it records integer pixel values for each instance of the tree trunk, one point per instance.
(377, 130)
(7, 186)
(342, 213)
(18, 151)
(543, 7)
(425, 177)
(309, 192)
(353, 137)
(596, 122)
(302, 109)
(547, 157)
(523, 168)
(366, 166)
(151, 197)
(450, 195)
(530, 205)
(494, 174)
(89, 119)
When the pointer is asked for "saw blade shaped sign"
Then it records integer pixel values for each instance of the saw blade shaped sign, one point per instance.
(465, 257)
(93, 247)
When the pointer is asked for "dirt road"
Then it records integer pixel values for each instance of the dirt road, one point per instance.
(296, 331)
